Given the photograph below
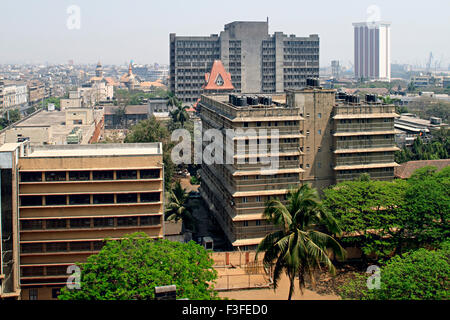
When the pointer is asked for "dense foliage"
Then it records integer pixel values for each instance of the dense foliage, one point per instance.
(381, 217)
(130, 269)
(437, 148)
(416, 275)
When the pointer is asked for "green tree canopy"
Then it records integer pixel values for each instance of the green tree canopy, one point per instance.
(130, 269)
(417, 275)
(368, 212)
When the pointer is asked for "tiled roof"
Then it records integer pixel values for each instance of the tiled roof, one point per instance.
(218, 72)
(405, 170)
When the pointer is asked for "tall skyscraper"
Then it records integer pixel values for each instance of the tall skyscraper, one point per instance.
(372, 50)
(256, 60)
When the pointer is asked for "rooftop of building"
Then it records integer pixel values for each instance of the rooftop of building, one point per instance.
(130, 109)
(405, 170)
(96, 150)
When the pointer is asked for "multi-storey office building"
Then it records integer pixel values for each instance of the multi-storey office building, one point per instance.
(324, 139)
(344, 136)
(237, 191)
(372, 47)
(256, 60)
(70, 198)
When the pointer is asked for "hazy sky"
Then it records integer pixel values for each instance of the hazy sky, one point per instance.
(116, 31)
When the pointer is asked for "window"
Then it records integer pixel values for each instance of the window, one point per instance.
(80, 223)
(245, 124)
(258, 199)
(127, 222)
(103, 222)
(150, 221)
(33, 294)
(31, 248)
(244, 200)
(307, 165)
(80, 246)
(126, 174)
(103, 198)
(258, 222)
(55, 293)
(319, 165)
(245, 223)
(79, 175)
(150, 197)
(30, 176)
(319, 115)
(103, 175)
(31, 225)
(127, 198)
(319, 131)
(56, 247)
(55, 176)
(319, 149)
(79, 199)
(150, 174)
(98, 245)
(55, 200)
(31, 201)
(56, 224)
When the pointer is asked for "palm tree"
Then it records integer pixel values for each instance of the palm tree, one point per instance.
(299, 248)
(180, 114)
(172, 100)
(177, 208)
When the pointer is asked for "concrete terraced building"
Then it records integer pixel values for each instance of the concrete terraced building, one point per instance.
(68, 199)
(324, 138)
(256, 60)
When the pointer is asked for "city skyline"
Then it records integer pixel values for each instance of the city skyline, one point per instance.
(119, 32)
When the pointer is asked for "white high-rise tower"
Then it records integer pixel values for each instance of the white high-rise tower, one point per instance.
(372, 50)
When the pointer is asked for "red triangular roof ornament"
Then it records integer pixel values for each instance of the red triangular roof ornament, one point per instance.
(218, 78)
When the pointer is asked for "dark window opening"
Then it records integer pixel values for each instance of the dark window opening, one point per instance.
(31, 224)
(55, 176)
(55, 200)
(98, 245)
(104, 222)
(102, 175)
(80, 223)
(103, 198)
(127, 198)
(150, 221)
(77, 199)
(55, 293)
(80, 246)
(32, 271)
(56, 247)
(126, 222)
(31, 248)
(126, 174)
(31, 201)
(79, 175)
(150, 197)
(56, 270)
(150, 174)
(30, 176)
(56, 224)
